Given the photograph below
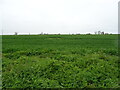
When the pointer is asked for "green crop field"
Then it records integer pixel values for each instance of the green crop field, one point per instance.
(60, 61)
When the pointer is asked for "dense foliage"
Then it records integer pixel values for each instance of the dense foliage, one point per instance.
(60, 61)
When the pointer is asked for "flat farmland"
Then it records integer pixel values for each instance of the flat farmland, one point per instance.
(60, 61)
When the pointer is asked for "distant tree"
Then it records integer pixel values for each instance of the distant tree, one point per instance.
(99, 32)
(16, 33)
(95, 32)
(88, 34)
(41, 33)
(102, 33)
(106, 33)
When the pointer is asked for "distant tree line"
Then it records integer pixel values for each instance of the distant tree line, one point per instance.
(96, 32)
(100, 32)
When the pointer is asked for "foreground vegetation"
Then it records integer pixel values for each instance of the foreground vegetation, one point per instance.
(60, 61)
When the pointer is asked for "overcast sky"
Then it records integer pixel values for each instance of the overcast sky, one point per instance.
(58, 16)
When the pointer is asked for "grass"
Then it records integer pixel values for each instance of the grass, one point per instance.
(60, 61)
